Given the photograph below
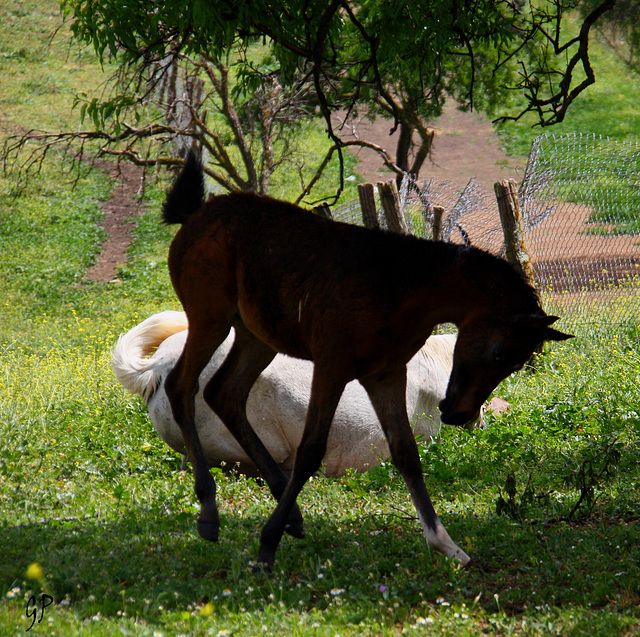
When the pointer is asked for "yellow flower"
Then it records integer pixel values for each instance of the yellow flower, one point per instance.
(207, 610)
(34, 571)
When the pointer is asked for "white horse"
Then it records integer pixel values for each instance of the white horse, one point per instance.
(278, 401)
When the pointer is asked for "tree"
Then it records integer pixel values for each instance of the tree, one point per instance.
(399, 58)
(152, 119)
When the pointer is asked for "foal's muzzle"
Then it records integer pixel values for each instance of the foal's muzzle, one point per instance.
(459, 418)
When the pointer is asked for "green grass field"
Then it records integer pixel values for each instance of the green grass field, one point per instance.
(97, 517)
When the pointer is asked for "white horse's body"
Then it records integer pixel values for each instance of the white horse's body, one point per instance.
(278, 401)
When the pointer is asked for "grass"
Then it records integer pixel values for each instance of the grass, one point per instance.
(91, 495)
(96, 513)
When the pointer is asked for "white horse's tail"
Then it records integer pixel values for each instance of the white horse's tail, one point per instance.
(135, 372)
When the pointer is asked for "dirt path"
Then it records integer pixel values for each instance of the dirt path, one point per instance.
(120, 212)
(465, 146)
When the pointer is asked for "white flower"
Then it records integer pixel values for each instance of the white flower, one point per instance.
(336, 591)
(423, 621)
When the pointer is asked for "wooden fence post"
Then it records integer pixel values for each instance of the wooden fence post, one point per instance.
(367, 196)
(436, 223)
(391, 206)
(323, 210)
(513, 226)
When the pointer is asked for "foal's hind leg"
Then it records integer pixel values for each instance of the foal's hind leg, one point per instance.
(326, 390)
(227, 393)
(388, 398)
(181, 387)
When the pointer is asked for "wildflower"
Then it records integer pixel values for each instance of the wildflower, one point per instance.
(423, 621)
(14, 592)
(34, 571)
(223, 633)
(207, 609)
(336, 591)
(226, 592)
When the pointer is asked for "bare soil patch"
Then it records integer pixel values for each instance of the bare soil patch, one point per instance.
(119, 219)
(465, 146)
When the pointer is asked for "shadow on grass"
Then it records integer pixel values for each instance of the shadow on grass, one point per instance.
(149, 563)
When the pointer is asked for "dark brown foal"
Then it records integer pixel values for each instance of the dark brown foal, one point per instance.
(359, 303)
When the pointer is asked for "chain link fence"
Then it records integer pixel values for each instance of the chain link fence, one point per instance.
(580, 210)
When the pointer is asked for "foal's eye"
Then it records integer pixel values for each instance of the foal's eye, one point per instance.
(498, 355)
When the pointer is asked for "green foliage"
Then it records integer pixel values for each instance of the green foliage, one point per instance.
(360, 52)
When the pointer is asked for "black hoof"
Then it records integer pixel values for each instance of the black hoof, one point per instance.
(208, 531)
(261, 569)
(295, 529)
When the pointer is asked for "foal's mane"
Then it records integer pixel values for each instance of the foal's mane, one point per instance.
(499, 278)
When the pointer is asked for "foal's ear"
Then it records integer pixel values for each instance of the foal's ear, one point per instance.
(535, 321)
(556, 335)
(551, 334)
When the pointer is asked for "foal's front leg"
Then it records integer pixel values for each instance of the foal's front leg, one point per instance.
(388, 398)
(325, 395)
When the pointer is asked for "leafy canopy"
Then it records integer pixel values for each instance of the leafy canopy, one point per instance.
(360, 52)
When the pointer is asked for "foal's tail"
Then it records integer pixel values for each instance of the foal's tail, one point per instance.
(135, 372)
(187, 193)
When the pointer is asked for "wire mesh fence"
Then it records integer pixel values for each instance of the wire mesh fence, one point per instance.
(580, 203)
(581, 206)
